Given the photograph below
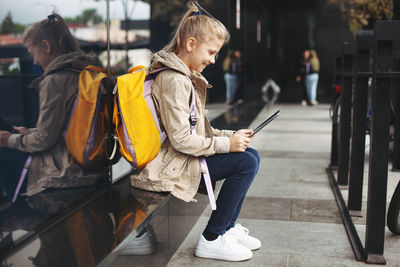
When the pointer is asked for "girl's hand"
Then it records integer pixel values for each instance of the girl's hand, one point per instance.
(4, 136)
(240, 140)
(21, 129)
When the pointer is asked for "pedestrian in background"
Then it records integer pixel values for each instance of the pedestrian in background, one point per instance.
(308, 76)
(239, 96)
(301, 77)
(229, 66)
(312, 77)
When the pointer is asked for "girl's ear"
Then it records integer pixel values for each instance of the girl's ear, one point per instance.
(47, 46)
(190, 44)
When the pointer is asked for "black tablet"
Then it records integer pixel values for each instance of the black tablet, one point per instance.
(264, 123)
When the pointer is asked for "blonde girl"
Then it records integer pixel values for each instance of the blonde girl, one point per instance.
(195, 45)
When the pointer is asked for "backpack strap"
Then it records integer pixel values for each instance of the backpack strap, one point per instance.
(203, 163)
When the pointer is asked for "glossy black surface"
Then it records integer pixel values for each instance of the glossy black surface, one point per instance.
(71, 227)
(82, 226)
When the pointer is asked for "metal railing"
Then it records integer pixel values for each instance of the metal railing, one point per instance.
(373, 56)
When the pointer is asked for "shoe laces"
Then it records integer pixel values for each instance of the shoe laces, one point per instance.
(228, 241)
(238, 227)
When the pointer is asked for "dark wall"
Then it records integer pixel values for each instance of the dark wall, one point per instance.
(287, 28)
(255, 54)
(314, 25)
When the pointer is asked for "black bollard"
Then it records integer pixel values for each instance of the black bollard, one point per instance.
(335, 117)
(345, 114)
(385, 33)
(396, 105)
(359, 119)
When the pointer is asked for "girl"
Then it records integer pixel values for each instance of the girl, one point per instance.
(176, 168)
(41, 151)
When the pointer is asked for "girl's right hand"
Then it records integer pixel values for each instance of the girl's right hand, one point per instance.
(240, 140)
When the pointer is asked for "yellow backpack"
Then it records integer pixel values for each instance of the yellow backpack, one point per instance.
(87, 125)
(135, 117)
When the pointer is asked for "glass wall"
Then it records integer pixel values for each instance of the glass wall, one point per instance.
(41, 182)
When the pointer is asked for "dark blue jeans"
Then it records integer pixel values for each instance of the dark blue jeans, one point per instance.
(238, 170)
(11, 164)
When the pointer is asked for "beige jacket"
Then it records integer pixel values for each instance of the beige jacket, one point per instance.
(52, 165)
(176, 168)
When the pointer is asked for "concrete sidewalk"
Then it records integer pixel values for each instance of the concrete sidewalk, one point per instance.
(290, 206)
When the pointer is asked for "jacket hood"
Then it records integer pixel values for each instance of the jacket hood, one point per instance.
(172, 61)
(74, 60)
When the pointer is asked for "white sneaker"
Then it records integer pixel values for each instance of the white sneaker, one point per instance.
(144, 244)
(241, 234)
(223, 248)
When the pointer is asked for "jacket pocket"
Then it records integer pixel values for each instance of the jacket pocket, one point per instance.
(173, 164)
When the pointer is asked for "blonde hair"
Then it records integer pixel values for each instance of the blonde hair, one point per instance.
(55, 31)
(197, 23)
(313, 53)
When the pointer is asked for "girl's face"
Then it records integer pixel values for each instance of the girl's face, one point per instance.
(203, 54)
(306, 54)
(40, 54)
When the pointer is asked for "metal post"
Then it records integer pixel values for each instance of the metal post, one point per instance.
(108, 37)
(385, 32)
(345, 113)
(335, 119)
(359, 115)
(396, 102)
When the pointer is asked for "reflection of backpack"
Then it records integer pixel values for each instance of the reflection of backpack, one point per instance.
(135, 117)
(86, 129)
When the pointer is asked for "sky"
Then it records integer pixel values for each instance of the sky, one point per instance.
(29, 11)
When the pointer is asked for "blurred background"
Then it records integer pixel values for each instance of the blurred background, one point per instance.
(271, 34)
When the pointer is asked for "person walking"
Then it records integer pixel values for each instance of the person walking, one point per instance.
(178, 166)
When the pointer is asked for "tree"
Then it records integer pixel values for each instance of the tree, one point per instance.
(360, 13)
(7, 25)
(91, 15)
(87, 15)
(171, 10)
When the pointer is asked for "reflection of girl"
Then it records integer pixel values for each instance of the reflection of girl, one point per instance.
(42, 149)
(229, 67)
(177, 166)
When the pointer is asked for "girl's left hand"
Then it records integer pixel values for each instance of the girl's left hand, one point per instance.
(244, 132)
(4, 136)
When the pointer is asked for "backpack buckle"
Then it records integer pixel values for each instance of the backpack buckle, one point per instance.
(192, 120)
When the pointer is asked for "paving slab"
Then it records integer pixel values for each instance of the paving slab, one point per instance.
(290, 206)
